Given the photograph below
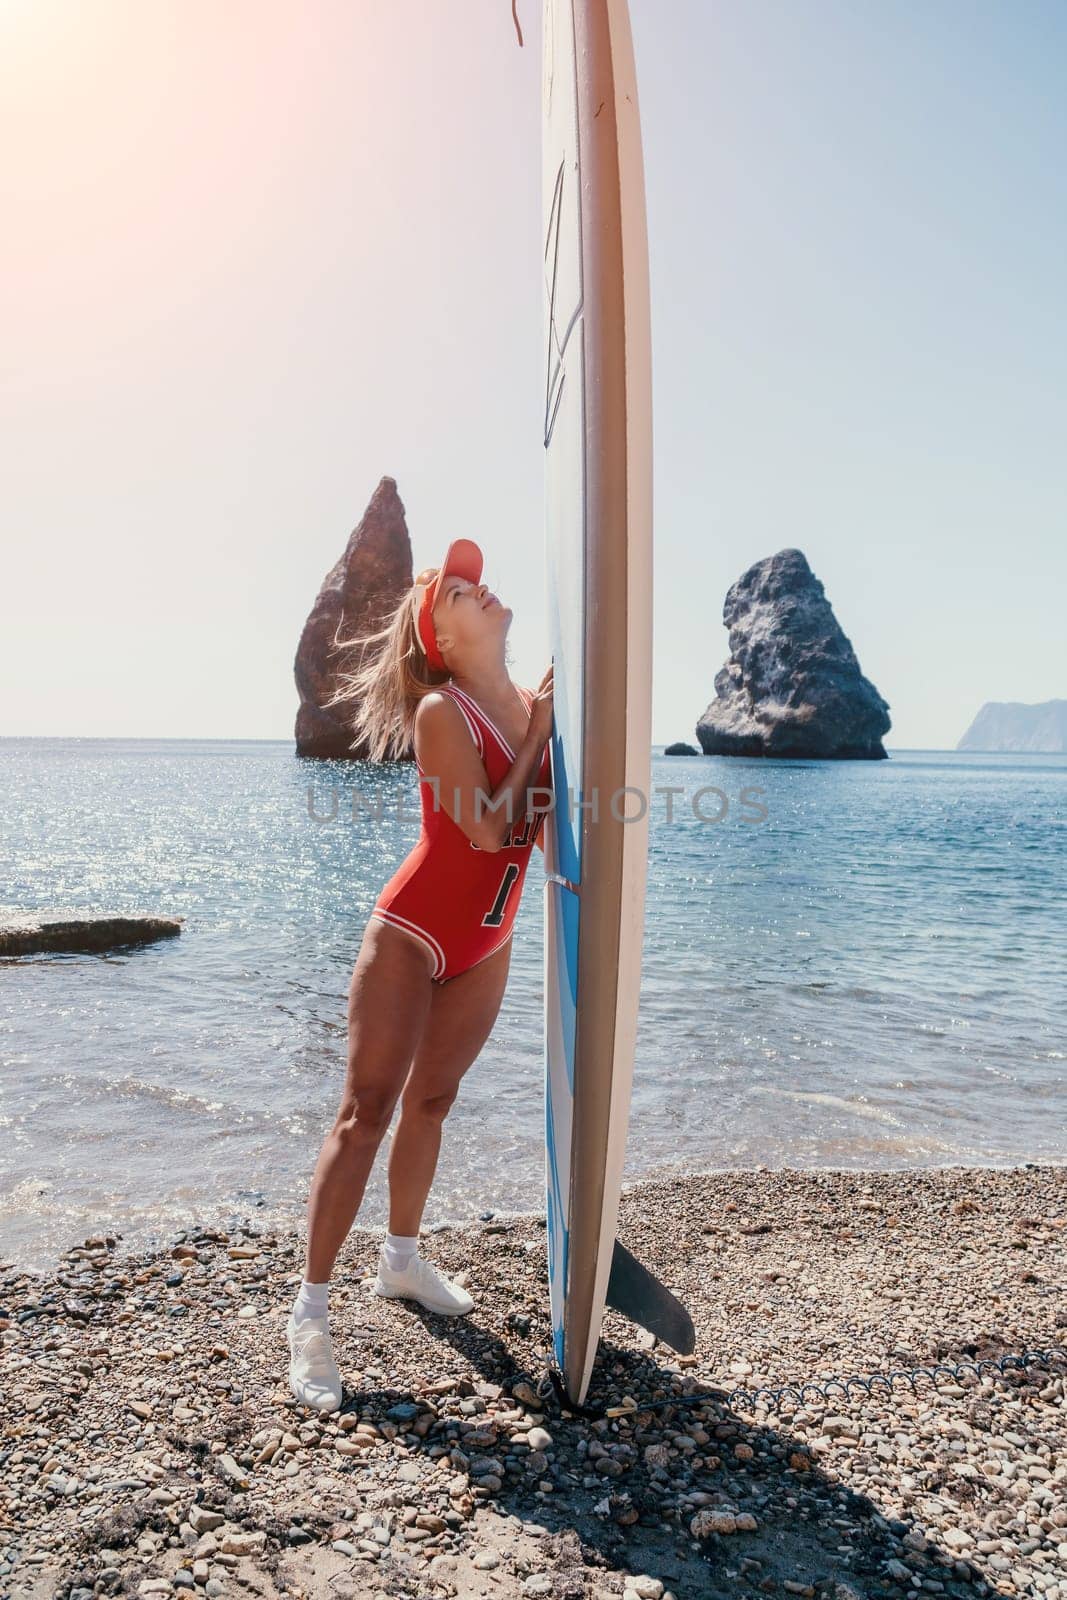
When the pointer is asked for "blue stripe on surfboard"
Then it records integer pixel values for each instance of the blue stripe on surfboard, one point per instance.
(569, 906)
(565, 913)
(558, 1235)
(564, 781)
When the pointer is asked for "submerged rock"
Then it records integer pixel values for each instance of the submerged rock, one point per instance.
(357, 596)
(39, 931)
(792, 685)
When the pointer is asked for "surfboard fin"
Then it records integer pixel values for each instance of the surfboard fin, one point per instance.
(640, 1296)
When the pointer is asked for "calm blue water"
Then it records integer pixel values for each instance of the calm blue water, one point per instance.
(873, 976)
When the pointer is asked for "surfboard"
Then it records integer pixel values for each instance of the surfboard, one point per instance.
(598, 548)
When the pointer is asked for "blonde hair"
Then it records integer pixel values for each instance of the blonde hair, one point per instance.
(393, 675)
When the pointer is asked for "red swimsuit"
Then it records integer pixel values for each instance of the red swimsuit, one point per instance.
(457, 900)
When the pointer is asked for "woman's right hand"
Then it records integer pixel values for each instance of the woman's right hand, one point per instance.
(541, 712)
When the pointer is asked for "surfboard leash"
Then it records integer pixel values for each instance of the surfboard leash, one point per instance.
(554, 1379)
(551, 1381)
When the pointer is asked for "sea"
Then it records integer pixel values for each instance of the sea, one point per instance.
(854, 964)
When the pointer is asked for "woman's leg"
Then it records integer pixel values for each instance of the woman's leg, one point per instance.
(388, 1005)
(461, 1018)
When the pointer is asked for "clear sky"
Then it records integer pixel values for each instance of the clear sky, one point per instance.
(259, 254)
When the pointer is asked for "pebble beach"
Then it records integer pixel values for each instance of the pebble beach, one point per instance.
(149, 1444)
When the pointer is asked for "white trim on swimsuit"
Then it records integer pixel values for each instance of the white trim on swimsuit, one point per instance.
(405, 923)
(475, 730)
(496, 731)
(407, 926)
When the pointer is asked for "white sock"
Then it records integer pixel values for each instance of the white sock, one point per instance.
(399, 1249)
(310, 1301)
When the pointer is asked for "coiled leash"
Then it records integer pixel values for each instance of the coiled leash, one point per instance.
(551, 1382)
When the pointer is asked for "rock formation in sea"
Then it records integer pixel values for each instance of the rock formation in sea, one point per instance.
(356, 597)
(792, 685)
(1011, 725)
(680, 748)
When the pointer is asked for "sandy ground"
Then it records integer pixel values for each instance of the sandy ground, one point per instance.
(149, 1444)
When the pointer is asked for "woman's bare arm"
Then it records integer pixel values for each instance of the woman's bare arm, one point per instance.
(446, 753)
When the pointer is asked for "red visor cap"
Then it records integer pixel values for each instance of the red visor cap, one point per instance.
(463, 559)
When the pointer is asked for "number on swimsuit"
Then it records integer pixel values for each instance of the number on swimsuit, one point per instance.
(517, 841)
(495, 916)
(524, 835)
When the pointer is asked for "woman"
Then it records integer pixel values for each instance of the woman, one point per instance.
(433, 964)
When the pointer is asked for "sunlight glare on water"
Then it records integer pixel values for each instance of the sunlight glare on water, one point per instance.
(871, 977)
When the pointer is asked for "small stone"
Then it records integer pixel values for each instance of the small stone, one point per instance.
(356, 1444)
(706, 1522)
(646, 1588)
(539, 1439)
(244, 1544)
(956, 1539)
(230, 1470)
(203, 1521)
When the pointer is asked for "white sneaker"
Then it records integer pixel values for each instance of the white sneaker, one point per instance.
(421, 1281)
(313, 1375)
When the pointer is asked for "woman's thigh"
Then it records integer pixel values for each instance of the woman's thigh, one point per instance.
(389, 1001)
(461, 1017)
